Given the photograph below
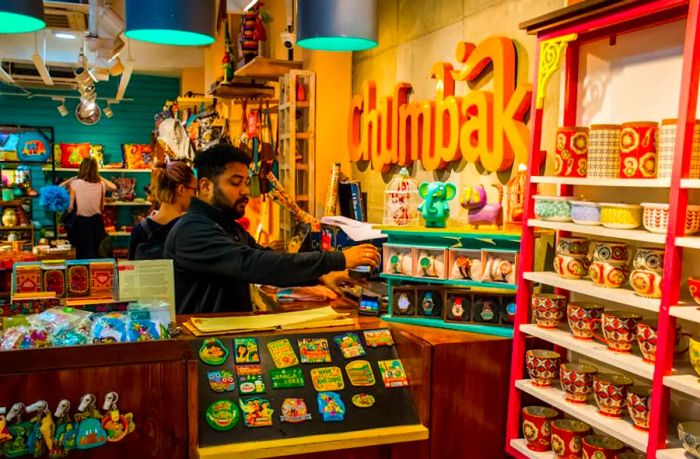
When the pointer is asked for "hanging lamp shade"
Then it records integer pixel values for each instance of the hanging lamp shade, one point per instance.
(21, 16)
(171, 22)
(337, 25)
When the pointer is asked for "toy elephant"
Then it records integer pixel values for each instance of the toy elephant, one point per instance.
(435, 208)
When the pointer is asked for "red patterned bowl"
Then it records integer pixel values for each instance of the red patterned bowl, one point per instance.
(542, 365)
(537, 428)
(639, 405)
(577, 381)
(610, 391)
(567, 437)
(548, 309)
(601, 447)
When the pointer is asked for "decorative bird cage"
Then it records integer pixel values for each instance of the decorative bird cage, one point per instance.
(401, 201)
(515, 195)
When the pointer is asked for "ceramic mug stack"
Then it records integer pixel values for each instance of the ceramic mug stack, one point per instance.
(645, 279)
(609, 265)
(667, 145)
(638, 157)
(571, 154)
(604, 150)
(571, 260)
(619, 330)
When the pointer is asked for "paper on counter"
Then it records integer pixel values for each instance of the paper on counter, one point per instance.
(357, 231)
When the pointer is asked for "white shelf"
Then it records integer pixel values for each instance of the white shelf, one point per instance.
(596, 181)
(675, 453)
(595, 350)
(622, 429)
(102, 171)
(586, 287)
(689, 242)
(598, 230)
(520, 445)
(686, 311)
(129, 203)
(688, 382)
(690, 183)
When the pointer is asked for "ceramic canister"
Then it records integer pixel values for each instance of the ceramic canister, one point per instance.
(583, 318)
(614, 252)
(571, 154)
(646, 283)
(601, 447)
(537, 426)
(608, 274)
(649, 258)
(638, 155)
(667, 145)
(572, 246)
(604, 150)
(610, 393)
(577, 381)
(639, 405)
(542, 365)
(567, 437)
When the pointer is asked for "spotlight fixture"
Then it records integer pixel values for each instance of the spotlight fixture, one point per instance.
(107, 111)
(337, 25)
(62, 110)
(171, 22)
(86, 86)
(21, 16)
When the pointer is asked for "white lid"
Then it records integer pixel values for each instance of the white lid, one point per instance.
(659, 205)
(585, 203)
(552, 198)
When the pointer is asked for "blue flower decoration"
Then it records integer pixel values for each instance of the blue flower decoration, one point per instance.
(55, 198)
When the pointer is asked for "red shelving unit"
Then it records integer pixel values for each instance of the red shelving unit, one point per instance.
(560, 35)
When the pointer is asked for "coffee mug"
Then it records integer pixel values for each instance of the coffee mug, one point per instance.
(608, 274)
(577, 381)
(649, 259)
(619, 330)
(638, 156)
(694, 288)
(647, 336)
(571, 151)
(571, 266)
(610, 393)
(638, 405)
(615, 252)
(537, 428)
(646, 283)
(581, 318)
(601, 447)
(548, 309)
(694, 351)
(542, 365)
(567, 437)
(572, 246)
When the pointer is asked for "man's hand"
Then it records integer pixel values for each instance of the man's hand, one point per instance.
(361, 255)
(334, 280)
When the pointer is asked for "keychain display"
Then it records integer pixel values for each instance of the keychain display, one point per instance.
(66, 433)
(19, 431)
(43, 428)
(116, 425)
(90, 431)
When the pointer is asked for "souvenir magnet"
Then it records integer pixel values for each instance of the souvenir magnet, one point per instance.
(327, 378)
(116, 425)
(213, 352)
(221, 381)
(42, 430)
(363, 400)
(360, 373)
(314, 350)
(4, 431)
(378, 338)
(256, 412)
(222, 415)
(19, 430)
(90, 431)
(330, 406)
(286, 378)
(294, 410)
(65, 435)
(246, 350)
(282, 353)
(250, 379)
(349, 344)
(393, 373)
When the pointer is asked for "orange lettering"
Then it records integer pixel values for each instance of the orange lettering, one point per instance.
(354, 129)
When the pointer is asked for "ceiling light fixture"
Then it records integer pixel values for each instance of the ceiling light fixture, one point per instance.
(21, 16)
(107, 111)
(64, 35)
(171, 22)
(337, 25)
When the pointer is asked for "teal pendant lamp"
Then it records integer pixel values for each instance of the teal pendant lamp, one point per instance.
(21, 16)
(171, 22)
(337, 25)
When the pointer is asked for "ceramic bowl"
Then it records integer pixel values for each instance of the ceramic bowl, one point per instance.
(553, 208)
(537, 426)
(631, 455)
(567, 436)
(639, 406)
(620, 216)
(601, 447)
(689, 434)
(542, 365)
(656, 218)
(585, 212)
(577, 381)
(694, 287)
(610, 393)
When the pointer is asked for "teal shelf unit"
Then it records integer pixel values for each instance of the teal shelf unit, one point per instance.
(450, 238)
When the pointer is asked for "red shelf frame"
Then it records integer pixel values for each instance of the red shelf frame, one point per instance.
(589, 27)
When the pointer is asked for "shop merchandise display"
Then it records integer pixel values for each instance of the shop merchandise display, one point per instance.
(481, 212)
(81, 278)
(571, 153)
(435, 208)
(401, 201)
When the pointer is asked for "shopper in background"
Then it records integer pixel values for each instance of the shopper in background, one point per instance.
(173, 186)
(215, 259)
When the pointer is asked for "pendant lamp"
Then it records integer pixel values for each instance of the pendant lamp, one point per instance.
(171, 22)
(337, 25)
(21, 16)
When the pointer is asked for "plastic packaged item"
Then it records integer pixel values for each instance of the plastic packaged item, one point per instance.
(146, 330)
(69, 337)
(109, 328)
(158, 311)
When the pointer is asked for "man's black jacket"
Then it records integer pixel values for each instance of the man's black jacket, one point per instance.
(215, 260)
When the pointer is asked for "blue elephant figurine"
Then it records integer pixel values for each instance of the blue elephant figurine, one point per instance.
(435, 208)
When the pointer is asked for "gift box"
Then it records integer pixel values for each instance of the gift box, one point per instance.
(27, 277)
(54, 277)
(499, 266)
(431, 262)
(465, 264)
(398, 259)
(78, 278)
(102, 278)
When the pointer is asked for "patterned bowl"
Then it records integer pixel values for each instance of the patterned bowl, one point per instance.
(689, 434)
(585, 212)
(553, 208)
(656, 218)
(620, 216)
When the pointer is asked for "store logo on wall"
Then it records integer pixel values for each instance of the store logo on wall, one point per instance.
(483, 126)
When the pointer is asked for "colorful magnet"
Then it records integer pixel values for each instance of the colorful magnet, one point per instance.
(282, 353)
(41, 433)
(221, 381)
(286, 378)
(213, 352)
(363, 400)
(19, 431)
(327, 378)
(222, 415)
(349, 344)
(294, 410)
(65, 435)
(4, 431)
(246, 350)
(116, 425)
(314, 350)
(393, 373)
(378, 338)
(256, 412)
(250, 379)
(360, 373)
(91, 434)
(330, 406)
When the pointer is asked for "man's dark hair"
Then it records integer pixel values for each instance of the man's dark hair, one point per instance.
(211, 162)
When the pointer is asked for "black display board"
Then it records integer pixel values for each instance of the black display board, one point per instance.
(393, 407)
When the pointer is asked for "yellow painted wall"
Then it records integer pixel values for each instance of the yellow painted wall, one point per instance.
(192, 79)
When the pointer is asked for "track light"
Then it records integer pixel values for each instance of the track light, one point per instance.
(62, 110)
(107, 111)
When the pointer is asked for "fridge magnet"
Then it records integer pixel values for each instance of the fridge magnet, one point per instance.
(393, 373)
(41, 434)
(360, 373)
(222, 415)
(256, 412)
(250, 379)
(246, 350)
(19, 431)
(286, 378)
(65, 436)
(330, 406)
(90, 431)
(363, 400)
(221, 381)
(213, 352)
(294, 410)
(314, 350)
(378, 338)
(116, 425)
(282, 353)
(327, 378)
(349, 344)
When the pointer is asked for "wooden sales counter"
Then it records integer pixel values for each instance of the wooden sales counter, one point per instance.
(458, 384)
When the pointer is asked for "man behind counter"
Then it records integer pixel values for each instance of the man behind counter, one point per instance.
(215, 259)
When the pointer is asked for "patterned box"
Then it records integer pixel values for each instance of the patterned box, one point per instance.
(604, 150)
(53, 274)
(102, 279)
(27, 278)
(78, 278)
